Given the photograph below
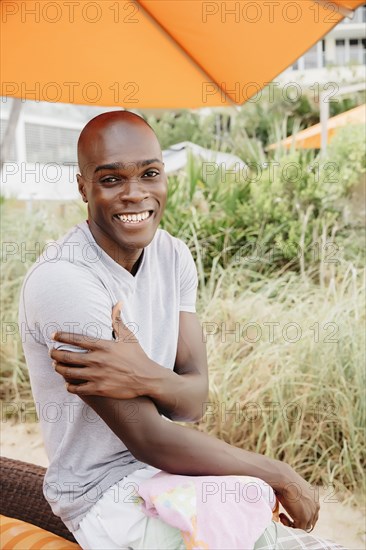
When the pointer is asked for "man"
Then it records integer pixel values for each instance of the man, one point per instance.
(156, 366)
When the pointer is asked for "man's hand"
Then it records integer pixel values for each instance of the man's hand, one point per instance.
(119, 369)
(299, 500)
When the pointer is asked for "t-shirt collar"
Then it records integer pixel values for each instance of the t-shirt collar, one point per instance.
(114, 267)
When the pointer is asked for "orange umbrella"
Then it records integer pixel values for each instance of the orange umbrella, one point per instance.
(310, 138)
(155, 53)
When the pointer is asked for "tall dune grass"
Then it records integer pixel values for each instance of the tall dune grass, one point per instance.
(287, 370)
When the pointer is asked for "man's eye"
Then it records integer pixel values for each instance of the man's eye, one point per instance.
(151, 173)
(109, 179)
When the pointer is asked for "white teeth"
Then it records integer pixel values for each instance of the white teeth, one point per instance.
(133, 218)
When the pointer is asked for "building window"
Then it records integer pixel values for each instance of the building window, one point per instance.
(12, 154)
(340, 52)
(355, 51)
(50, 144)
(324, 58)
(311, 58)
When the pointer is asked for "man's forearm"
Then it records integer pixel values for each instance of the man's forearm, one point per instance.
(179, 397)
(179, 449)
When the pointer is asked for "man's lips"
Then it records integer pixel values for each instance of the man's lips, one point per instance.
(129, 212)
(134, 218)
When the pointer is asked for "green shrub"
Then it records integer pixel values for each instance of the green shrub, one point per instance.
(347, 151)
(284, 216)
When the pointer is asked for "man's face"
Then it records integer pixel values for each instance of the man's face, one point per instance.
(123, 180)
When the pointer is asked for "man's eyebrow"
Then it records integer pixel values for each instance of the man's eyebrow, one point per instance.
(123, 166)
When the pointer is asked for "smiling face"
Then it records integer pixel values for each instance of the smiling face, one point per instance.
(123, 181)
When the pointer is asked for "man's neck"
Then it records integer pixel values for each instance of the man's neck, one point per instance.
(129, 263)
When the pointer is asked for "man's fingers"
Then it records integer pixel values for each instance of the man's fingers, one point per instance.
(121, 331)
(71, 357)
(300, 524)
(312, 523)
(285, 520)
(82, 389)
(296, 524)
(79, 340)
(72, 372)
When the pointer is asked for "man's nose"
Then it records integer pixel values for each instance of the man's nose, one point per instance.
(133, 190)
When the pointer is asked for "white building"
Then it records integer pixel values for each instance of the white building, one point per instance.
(46, 132)
(344, 45)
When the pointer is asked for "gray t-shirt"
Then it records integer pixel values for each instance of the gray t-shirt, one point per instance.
(73, 286)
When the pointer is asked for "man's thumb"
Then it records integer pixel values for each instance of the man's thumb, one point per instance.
(117, 322)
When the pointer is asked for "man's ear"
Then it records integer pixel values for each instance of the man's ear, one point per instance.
(81, 185)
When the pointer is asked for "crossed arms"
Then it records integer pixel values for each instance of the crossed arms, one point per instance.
(122, 370)
(128, 391)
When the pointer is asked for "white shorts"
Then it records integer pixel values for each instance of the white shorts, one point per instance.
(117, 522)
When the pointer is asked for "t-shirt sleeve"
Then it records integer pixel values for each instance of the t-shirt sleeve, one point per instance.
(64, 297)
(188, 280)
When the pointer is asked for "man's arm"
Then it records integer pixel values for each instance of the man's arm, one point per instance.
(182, 450)
(122, 370)
(180, 394)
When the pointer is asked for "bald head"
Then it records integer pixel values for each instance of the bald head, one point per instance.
(102, 130)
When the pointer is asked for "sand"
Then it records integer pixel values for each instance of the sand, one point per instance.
(338, 520)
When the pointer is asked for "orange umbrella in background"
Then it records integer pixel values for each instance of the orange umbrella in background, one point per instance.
(155, 54)
(310, 138)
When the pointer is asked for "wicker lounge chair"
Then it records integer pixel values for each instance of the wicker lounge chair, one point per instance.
(22, 496)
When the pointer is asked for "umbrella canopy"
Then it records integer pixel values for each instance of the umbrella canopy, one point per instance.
(310, 138)
(156, 53)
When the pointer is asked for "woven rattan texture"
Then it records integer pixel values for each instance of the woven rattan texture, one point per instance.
(21, 496)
